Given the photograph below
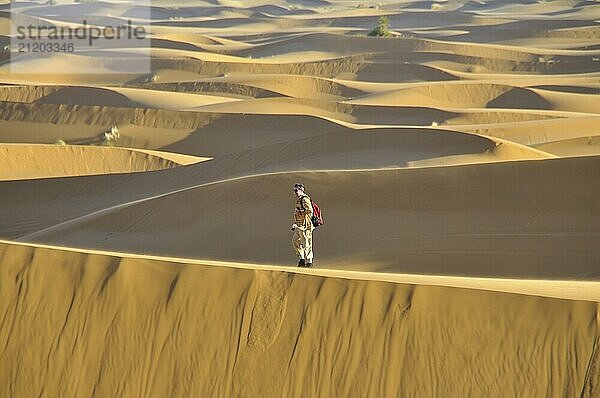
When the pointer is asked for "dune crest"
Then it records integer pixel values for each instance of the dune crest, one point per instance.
(20, 161)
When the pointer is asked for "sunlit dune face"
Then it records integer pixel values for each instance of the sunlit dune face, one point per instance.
(452, 147)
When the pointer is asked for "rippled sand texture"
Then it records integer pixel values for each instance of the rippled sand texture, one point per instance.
(457, 164)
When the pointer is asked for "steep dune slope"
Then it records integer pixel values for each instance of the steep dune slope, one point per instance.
(326, 336)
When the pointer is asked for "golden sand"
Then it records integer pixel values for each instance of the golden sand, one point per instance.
(457, 164)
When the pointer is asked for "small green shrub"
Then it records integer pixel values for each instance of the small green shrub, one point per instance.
(382, 29)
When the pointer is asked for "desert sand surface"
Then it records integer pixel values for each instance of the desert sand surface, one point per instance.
(457, 163)
(162, 323)
(29, 161)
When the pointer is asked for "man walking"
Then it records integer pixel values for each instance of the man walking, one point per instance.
(303, 227)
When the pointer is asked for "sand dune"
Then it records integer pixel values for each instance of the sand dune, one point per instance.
(477, 95)
(457, 163)
(585, 103)
(446, 220)
(213, 127)
(573, 147)
(473, 95)
(257, 320)
(171, 101)
(43, 161)
(539, 132)
(391, 150)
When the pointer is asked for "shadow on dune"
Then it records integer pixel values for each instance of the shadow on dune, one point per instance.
(234, 133)
(502, 220)
(399, 72)
(90, 96)
(520, 98)
(396, 115)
